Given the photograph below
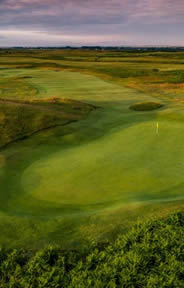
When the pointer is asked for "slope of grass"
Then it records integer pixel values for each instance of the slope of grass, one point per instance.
(20, 119)
(149, 255)
(76, 182)
(89, 179)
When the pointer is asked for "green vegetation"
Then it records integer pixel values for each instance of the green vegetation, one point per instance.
(20, 119)
(149, 255)
(146, 106)
(90, 179)
(159, 73)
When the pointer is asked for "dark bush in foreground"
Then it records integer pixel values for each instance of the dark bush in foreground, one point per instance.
(151, 255)
(146, 106)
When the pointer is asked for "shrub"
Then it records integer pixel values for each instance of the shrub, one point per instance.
(150, 255)
(146, 106)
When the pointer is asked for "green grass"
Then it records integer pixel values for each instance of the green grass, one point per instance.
(88, 180)
(21, 119)
(150, 255)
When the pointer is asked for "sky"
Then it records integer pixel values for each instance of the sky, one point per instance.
(91, 22)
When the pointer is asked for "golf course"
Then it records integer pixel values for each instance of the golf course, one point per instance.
(87, 165)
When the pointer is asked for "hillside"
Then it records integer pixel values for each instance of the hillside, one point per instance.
(20, 119)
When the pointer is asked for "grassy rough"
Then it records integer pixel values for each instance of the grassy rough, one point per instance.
(150, 255)
(20, 119)
(146, 106)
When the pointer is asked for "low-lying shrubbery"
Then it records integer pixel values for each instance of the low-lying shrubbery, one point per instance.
(146, 106)
(150, 255)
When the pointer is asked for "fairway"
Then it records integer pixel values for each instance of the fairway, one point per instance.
(75, 182)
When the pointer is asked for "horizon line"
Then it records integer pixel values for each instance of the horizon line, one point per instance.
(101, 46)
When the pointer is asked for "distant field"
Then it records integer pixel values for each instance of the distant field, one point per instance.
(89, 179)
(159, 73)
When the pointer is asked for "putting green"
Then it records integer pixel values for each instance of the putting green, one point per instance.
(57, 184)
(119, 166)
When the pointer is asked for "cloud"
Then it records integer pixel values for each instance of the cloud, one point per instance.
(126, 20)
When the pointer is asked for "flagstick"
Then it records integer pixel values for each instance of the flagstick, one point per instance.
(157, 128)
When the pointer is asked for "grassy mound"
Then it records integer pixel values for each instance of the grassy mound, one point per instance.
(146, 106)
(151, 255)
(20, 119)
